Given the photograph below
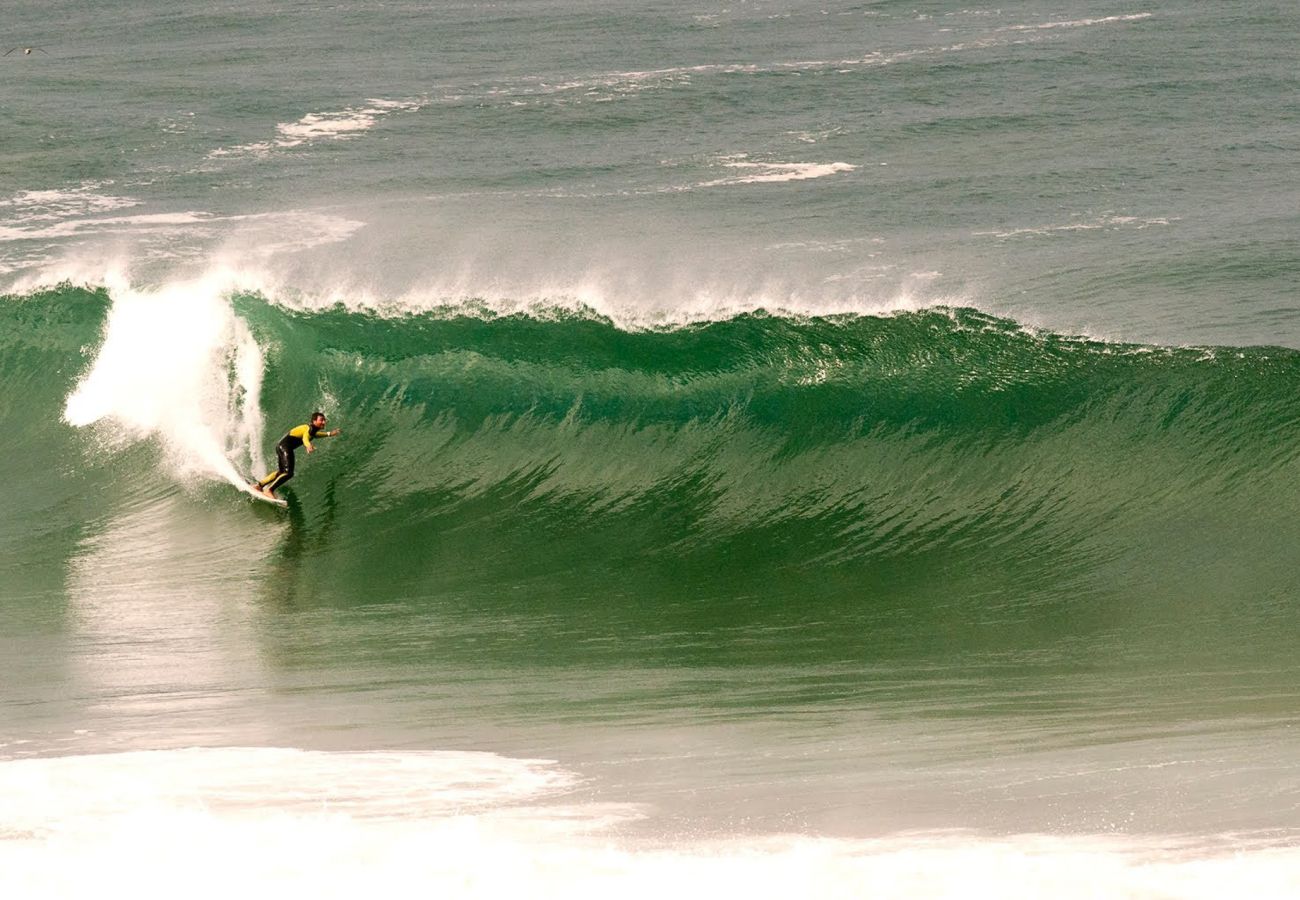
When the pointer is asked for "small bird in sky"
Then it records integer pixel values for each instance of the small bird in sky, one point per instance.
(27, 51)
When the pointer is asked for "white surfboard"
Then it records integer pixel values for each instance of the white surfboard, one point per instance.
(254, 492)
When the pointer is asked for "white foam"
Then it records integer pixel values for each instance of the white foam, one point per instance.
(74, 227)
(216, 823)
(1107, 222)
(600, 85)
(814, 137)
(1080, 23)
(54, 213)
(185, 246)
(771, 173)
(44, 793)
(53, 205)
(333, 125)
(629, 287)
(178, 366)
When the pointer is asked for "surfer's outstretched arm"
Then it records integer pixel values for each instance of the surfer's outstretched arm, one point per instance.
(322, 434)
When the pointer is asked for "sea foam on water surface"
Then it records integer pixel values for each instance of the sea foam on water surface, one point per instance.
(331, 125)
(262, 822)
(769, 172)
(54, 204)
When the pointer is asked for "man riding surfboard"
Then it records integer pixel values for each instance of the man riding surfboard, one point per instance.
(301, 436)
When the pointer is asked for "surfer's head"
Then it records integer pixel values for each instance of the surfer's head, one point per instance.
(318, 420)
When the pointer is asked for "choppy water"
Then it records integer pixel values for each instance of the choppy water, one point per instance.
(786, 448)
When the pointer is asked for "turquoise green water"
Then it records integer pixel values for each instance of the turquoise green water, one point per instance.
(778, 442)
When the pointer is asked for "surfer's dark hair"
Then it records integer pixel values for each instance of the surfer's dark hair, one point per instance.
(318, 415)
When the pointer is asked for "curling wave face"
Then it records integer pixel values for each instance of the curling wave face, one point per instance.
(908, 461)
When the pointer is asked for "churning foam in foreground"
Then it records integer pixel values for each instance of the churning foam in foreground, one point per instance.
(267, 822)
(178, 366)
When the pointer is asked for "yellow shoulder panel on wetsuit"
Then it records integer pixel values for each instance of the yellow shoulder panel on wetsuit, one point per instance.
(302, 433)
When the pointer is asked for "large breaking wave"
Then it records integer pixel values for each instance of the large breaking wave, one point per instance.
(943, 453)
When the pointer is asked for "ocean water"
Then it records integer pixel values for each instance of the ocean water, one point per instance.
(795, 449)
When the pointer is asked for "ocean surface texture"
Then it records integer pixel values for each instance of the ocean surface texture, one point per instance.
(789, 449)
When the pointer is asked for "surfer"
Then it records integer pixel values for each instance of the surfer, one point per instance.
(301, 436)
(27, 51)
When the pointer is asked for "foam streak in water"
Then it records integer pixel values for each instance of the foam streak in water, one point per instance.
(344, 123)
(761, 172)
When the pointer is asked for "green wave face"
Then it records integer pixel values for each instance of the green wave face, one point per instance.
(916, 482)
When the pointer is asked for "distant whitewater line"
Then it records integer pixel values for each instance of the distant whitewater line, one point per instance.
(1081, 23)
(1110, 221)
(632, 81)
